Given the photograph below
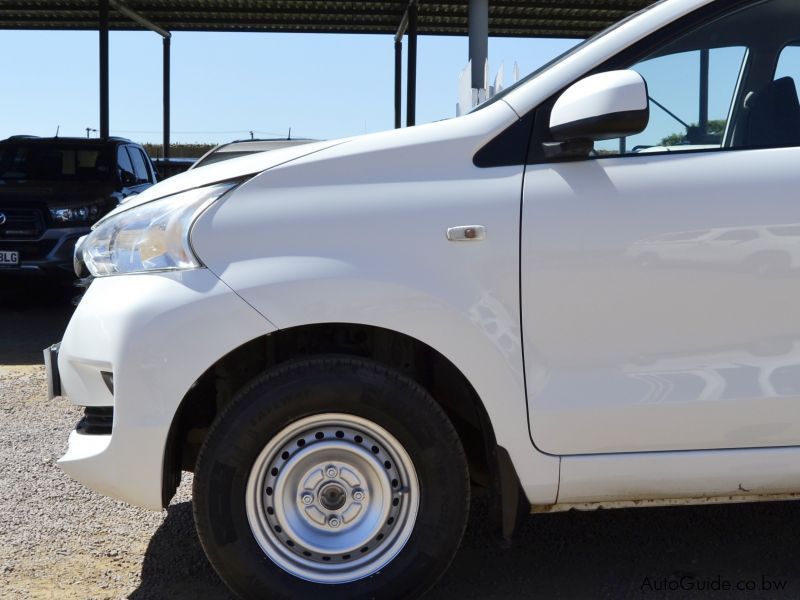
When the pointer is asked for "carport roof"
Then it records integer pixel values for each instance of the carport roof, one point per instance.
(510, 18)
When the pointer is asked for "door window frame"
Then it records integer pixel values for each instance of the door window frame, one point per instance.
(637, 53)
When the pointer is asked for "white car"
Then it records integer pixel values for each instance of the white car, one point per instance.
(343, 340)
(763, 249)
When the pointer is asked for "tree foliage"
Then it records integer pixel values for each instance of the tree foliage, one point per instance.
(715, 127)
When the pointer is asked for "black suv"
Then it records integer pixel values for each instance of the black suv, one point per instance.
(53, 189)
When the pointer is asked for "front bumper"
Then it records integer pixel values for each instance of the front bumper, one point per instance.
(49, 257)
(156, 334)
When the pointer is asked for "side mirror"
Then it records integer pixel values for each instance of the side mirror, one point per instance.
(601, 107)
(127, 177)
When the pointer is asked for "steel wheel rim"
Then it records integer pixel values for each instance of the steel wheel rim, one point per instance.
(332, 498)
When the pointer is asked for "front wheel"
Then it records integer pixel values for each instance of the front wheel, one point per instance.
(333, 476)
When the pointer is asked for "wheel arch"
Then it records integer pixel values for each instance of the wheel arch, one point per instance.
(490, 466)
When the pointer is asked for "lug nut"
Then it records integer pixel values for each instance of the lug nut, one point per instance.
(331, 471)
(307, 498)
(358, 495)
(334, 522)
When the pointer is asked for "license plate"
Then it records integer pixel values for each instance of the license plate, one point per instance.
(9, 257)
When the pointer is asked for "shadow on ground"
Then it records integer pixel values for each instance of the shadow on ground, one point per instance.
(175, 566)
(620, 554)
(32, 318)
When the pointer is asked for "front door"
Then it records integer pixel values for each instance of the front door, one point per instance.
(661, 277)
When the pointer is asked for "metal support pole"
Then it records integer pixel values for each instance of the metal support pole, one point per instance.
(103, 29)
(703, 121)
(123, 9)
(478, 40)
(411, 98)
(398, 83)
(166, 42)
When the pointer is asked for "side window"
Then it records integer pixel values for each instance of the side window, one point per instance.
(139, 165)
(123, 160)
(737, 235)
(789, 63)
(718, 86)
(785, 230)
(147, 165)
(690, 99)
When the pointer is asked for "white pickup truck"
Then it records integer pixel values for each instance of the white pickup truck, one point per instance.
(344, 340)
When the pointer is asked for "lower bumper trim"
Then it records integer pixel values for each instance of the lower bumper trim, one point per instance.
(51, 367)
(97, 420)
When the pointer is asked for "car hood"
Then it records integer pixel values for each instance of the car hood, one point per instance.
(231, 169)
(454, 140)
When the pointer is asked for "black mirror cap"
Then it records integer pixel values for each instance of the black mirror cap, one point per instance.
(603, 127)
(126, 177)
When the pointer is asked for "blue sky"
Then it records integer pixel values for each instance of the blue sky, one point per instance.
(322, 86)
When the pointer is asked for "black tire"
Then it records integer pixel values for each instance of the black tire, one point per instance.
(314, 386)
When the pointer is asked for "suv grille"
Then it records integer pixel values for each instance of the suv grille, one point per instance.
(21, 223)
(29, 250)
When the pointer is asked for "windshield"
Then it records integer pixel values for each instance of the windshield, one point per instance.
(46, 162)
(564, 56)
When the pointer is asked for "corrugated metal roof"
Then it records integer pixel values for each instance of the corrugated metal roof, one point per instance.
(517, 18)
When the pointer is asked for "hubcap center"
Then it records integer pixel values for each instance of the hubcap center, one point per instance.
(332, 496)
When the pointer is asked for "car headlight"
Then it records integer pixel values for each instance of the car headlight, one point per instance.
(150, 237)
(77, 213)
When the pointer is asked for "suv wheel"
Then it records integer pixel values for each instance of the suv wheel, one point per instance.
(333, 476)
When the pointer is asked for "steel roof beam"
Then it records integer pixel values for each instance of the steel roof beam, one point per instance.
(136, 17)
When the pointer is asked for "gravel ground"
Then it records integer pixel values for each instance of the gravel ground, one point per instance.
(60, 540)
(57, 538)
